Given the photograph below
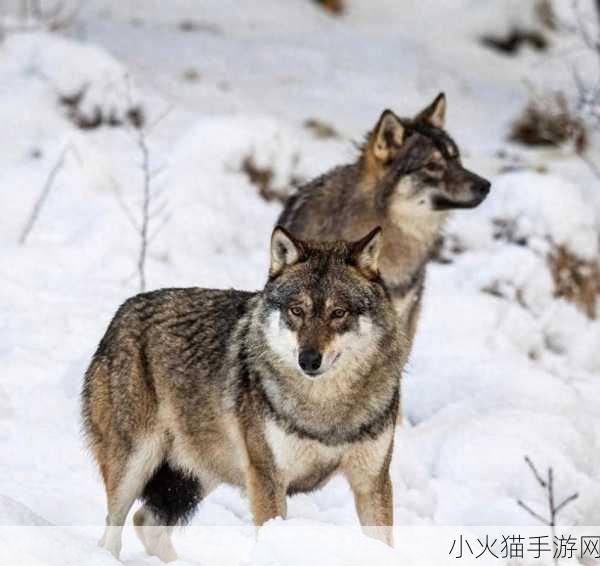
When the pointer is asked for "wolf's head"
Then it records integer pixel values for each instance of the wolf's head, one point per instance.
(325, 304)
(416, 164)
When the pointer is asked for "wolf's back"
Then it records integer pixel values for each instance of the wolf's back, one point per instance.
(175, 339)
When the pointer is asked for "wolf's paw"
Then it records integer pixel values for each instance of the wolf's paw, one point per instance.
(157, 542)
(111, 543)
(156, 539)
(114, 549)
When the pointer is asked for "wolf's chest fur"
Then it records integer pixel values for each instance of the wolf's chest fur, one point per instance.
(303, 464)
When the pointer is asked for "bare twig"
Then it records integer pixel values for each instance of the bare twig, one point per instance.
(548, 485)
(585, 30)
(553, 509)
(537, 475)
(151, 209)
(565, 502)
(531, 511)
(551, 506)
(143, 146)
(43, 196)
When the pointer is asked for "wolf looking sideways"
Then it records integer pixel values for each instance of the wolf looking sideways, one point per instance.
(274, 392)
(408, 176)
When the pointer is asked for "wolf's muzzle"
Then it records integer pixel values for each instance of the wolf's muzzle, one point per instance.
(476, 187)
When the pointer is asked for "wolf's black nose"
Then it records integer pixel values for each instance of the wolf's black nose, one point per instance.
(310, 360)
(483, 187)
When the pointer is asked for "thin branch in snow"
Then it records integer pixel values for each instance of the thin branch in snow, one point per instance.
(146, 196)
(151, 208)
(548, 485)
(534, 471)
(529, 510)
(43, 196)
(553, 509)
(565, 502)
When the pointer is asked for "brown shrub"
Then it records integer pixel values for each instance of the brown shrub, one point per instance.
(336, 7)
(549, 122)
(515, 40)
(191, 75)
(320, 129)
(507, 230)
(576, 280)
(134, 116)
(263, 179)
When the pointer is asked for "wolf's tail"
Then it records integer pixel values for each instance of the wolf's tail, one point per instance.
(172, 495)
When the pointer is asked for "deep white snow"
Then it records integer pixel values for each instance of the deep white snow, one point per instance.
(493, 377)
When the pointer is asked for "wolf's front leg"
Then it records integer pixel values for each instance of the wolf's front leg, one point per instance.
(375, 508)
(264, 484)
(366, 468)
(266, 493)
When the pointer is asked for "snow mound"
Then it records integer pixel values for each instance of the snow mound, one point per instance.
(536, 210)
(542, 209)
(534, 244)
(501, 367)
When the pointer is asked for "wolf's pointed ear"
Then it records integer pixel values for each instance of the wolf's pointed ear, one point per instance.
(435, 113)
(387, 136)
(285, 251)
(365, 253)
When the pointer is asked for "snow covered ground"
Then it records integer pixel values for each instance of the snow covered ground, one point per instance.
(501, 368)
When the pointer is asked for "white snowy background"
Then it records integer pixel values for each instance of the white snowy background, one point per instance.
(493, 376)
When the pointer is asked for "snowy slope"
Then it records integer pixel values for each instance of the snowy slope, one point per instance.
(493, 376)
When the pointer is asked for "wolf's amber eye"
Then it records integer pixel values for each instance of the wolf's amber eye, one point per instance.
(434, 167)
(338, 313)
(296, 311)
